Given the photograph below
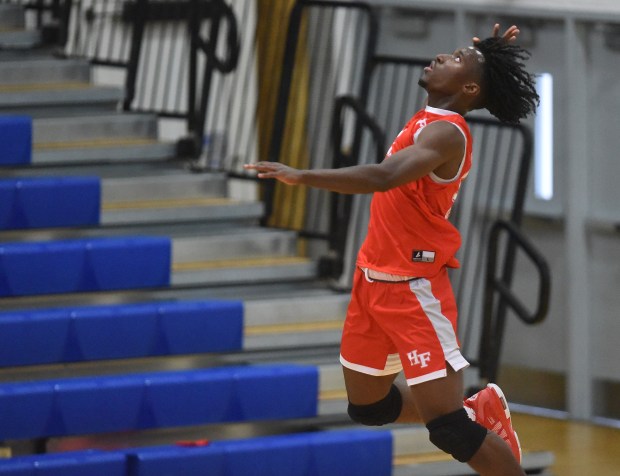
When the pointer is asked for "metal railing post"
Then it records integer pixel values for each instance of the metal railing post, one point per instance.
(141, 12)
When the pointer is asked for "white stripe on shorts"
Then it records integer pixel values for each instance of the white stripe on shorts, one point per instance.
(442, 325)
(393, 365)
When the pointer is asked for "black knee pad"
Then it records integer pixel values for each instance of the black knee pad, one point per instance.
(379, 413)
(456, 434)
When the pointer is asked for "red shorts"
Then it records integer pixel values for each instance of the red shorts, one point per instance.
(408, 326)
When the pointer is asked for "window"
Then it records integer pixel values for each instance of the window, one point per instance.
(543, 139)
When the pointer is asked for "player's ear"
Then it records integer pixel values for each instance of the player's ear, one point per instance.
(471, 89)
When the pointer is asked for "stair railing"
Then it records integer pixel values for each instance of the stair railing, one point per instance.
(168, 49)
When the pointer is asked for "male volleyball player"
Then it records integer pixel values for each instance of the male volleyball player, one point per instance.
(402, 314)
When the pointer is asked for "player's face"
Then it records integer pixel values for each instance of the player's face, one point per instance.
(447, 73)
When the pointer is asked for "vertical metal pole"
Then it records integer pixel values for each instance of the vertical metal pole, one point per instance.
(579, 389)
(137, 35)
(194, 22)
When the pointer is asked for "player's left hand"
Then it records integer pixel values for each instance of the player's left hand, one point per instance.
(510, 35)
(276, 170)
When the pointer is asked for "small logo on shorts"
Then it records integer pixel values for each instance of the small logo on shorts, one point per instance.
(420, 256)
(419, 359)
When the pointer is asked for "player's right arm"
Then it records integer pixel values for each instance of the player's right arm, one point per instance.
(439, 147)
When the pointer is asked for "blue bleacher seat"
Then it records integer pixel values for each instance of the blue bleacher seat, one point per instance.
(15, 140)
(155, 400)
(46, 202)
(185, 328)
(33, 337)
(47, 336)
(329, 453)
(358, 452)
(78, 463)
(125, 263)
(97, 264)
(26, 409)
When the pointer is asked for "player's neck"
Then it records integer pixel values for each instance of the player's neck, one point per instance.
(448, 103)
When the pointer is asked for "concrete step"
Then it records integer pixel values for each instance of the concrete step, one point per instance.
(181, 210)
(19, 39)
(40, 53)
(58, 132)
(129, 149)
(58, 99)
(249, 255)
(264, 269)
(124, 191)
(294, 321)
(39, 70)
(194, 252)
(183, 197)
(100, 137)
(11, 16)
(105, 171)
(13, 34)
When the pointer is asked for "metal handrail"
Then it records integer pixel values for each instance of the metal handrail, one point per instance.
(220, 13)
(138, 14)
(341, 205)
(494, 322)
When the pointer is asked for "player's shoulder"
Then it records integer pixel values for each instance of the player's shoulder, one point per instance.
(442, 129)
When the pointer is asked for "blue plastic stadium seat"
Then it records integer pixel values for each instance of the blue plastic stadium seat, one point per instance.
(99, 264)
(329, 453)
(337, 453)
(125, 263)
(34, 337)
(15, 140)
(97, 405)
(25, 409)
(79, 463)
(140, 401)
(185, 328)
(49, 202)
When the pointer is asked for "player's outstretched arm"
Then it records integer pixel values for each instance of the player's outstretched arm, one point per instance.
(439, 144)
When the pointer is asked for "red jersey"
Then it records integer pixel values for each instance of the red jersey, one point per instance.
(409, 233)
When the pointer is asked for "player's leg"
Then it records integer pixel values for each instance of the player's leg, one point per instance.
(423, 328)
(379, 400)
(440, 404)
(371, 363)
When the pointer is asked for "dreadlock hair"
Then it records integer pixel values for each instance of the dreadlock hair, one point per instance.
(508, 89)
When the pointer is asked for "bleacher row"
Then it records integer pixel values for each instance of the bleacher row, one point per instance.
(80, 406)
(304, 454)
(40, 409)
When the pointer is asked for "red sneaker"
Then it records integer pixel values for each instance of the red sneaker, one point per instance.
(489, 408)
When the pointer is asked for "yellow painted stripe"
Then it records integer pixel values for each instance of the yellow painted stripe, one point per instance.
(240, 263)
(21, 87)
(333, 395)
(293, 327)
(168, 203)
(94, 143)
(421, 458)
